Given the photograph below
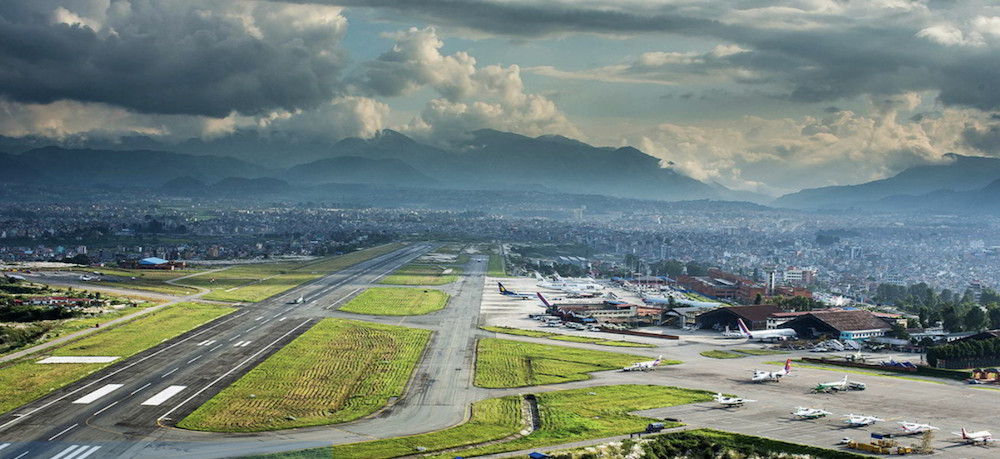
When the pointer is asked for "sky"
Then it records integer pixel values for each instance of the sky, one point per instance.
(770, 96)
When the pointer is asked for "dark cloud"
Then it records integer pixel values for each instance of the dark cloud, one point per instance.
(165, 58)
(985, 139)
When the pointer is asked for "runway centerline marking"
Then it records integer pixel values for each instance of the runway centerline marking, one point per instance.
(192, 360)
(64, 431)
(105, 408)
(169, 372)
(141, 388)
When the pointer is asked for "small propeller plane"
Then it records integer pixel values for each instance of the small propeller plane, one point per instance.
(859, 420)
(810, 413)
(915, 428)
(731, 401)
(982, 436)
(644, 366)
(765, 376)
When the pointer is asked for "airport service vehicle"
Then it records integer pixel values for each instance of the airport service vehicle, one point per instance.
(654, 427)
(766, 376)
(810, 413)
(298, 300)
(513, 294)
(731, 401)
(859, 420)
(776, 334)
(644, 366)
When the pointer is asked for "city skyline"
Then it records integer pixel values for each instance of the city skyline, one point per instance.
(767, 96)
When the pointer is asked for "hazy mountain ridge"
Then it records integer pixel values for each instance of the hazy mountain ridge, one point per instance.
(931, 182)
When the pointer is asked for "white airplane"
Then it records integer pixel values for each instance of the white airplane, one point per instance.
(513, 294)
(975, 437)
(731, 334)
(765, 376)
(843, 384)
(859, 420)
(810, 413)
(731, 401)
(578, 288)
(776, 334)
(644, 366)
(915, 428)
(298, 300)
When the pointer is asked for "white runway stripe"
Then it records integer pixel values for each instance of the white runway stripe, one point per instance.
(163, 396)
(93, 396)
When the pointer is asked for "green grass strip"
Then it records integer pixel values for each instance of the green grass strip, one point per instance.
(504, 363)
(518, 331)
(25, 380)
(760, 351)
(417, 274)
(696, 442)
(716, 354)
(337, 371)
(397, 301)
(599, 341)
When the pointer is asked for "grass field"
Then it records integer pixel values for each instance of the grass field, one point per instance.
(25, 380)
(593, 412)
(339, 370)
(599, 341)
(415, 274)
(694, 442)
(518, 331)
(148, 280)
(760, 351)
(716, 354)
(495, 267)
(505, 363)
(255, 282)
(397, 301)
(566, 416)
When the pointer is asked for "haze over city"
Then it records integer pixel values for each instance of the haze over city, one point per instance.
(765, 96)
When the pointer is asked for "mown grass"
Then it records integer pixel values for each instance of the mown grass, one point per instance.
(695, 442)
(416, 274)
(255, 282)
(593, 412)
(338, 371)
(25, 380)
(760, 351)
(397, 301)
(504, 363)
(717, 354)
(518, 331)
(495, 266)
(149, 280)
(599, 341)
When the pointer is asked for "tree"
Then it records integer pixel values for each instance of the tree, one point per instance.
(924, 315)
(899, 331)
(974, 319)
(994, 315)
(950, 320)
(758, 299)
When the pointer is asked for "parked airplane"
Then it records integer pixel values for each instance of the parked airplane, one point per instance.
(578, 288)
(731, 334)
(764, 376)
(731, 401)
(975, 437)
(778, 333)
(843, 384)
(915, 428)
(810, 413)
(859, 420)
(513, 294)
(644, 366)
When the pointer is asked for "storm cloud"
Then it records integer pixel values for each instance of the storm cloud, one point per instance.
(170, 57)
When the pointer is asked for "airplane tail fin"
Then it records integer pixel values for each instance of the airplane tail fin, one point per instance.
(965, 434)
(788, 366)
(538, 276)
(544, 301)
(658, 360)
(502, 289)
(743, 328)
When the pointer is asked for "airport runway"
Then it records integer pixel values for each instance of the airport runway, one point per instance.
(119, 411)
(98, 418)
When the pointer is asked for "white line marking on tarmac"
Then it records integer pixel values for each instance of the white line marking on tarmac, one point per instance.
(214, 348)
(4, 445)
(93, 396)
(22, 455)
(344, 298)
(283, 318)
(92, 450)
(64, 431)
(192, 360)
(251, 329)
(169, 372)
(261, 317)
(126, 367)
(238, 365)
(237, 336)
(163, 396)
(105, 408)
(66, 451)
(141, 388)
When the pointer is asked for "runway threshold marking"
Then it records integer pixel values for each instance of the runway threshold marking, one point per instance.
(231, 370)
(82, 452)
(242, 344)
(93, 396)
(207, 342)
(163, 395)
(64, 431)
